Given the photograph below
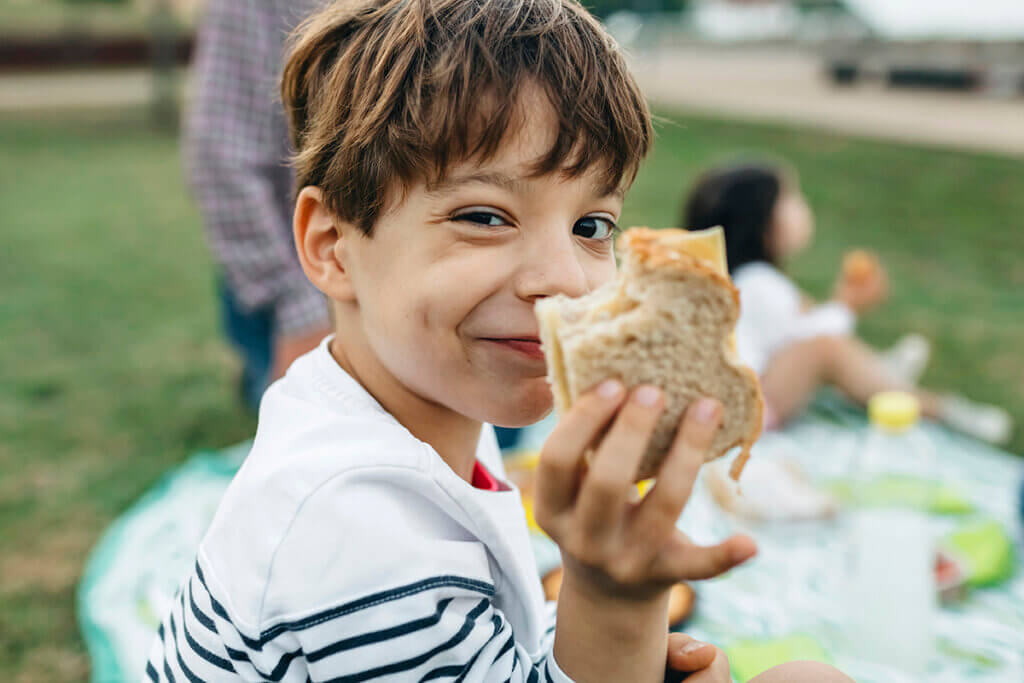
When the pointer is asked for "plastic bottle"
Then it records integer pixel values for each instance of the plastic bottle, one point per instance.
(892, 555)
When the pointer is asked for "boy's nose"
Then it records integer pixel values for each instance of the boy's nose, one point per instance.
(552, 267)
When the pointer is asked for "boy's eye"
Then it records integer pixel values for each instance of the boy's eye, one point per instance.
(481, 218)
(595, 228)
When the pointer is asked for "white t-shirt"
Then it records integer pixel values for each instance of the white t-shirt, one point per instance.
(772, 315)
(346, 549)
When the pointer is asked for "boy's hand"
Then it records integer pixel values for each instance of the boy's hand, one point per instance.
(621, 556)
(612, 546)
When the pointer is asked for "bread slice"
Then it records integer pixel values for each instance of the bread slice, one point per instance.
(667, 320)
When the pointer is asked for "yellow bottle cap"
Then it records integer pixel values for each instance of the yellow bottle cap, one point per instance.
(894, 410)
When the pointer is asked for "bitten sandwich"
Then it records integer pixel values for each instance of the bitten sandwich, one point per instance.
(666, 320)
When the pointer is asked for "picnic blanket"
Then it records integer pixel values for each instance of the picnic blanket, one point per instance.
(789, 600)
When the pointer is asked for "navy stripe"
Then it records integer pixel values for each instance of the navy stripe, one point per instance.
(462, 669)
(505, 648)
(378, 636)
(151, 672)
(233, 654)
(515, 663)
(395, 667)
(217, 608)
(363, 603)
(200, 616)
(167, 671)
(282, 666)
(279, 669)
(547, 672)
(532, 678)
(496, 620)
(442, 672)
(382, 635)
(198, 649)
(236, 655)
(181, 662)
(188, 673)
(163, 641)
(550, 630)
(350, 607)
(377, 599)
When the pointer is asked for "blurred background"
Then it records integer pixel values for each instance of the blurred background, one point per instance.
(904, 118)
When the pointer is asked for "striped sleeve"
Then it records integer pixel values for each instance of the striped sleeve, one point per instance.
(443, 628)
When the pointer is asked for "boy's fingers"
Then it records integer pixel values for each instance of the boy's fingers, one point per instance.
(688, 654)
(662, 506)
(560, 458)
(681, 559)
(608, 482)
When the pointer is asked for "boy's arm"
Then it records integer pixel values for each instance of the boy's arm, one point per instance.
(598, 639)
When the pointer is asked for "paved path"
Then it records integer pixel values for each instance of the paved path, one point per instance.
(75, 90)
(776, 84)
(785, 85)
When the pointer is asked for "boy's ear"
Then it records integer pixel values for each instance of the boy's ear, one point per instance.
(320, 240)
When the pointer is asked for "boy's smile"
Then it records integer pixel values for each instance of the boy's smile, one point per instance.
(528, 346)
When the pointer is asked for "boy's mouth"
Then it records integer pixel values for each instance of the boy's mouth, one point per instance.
(527, 346)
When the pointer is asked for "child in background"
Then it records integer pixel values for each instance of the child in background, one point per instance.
(456, 160)
(794, 344)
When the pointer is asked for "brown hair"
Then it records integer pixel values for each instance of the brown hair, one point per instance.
(378, 91)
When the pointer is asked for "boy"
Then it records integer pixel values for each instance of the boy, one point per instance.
(457, 160)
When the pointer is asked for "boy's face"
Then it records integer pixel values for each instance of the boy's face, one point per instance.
(444, 289)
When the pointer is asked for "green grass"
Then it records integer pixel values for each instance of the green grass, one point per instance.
(112, 363)
(114, 371)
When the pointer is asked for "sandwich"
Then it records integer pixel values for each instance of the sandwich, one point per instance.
(666, 320)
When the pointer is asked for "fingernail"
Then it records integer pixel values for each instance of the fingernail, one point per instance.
(692, 647)
(706, 410)
(742, 553)
(609, 389)
(647, 396)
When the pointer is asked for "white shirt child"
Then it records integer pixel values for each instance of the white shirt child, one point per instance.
(772, 315)
(346, 549)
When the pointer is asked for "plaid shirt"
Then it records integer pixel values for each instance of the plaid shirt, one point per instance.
(236, 149)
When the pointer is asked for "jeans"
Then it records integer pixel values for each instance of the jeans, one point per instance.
(508, 437)
(252, 335)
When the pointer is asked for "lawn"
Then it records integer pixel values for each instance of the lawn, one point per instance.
(113, 369)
